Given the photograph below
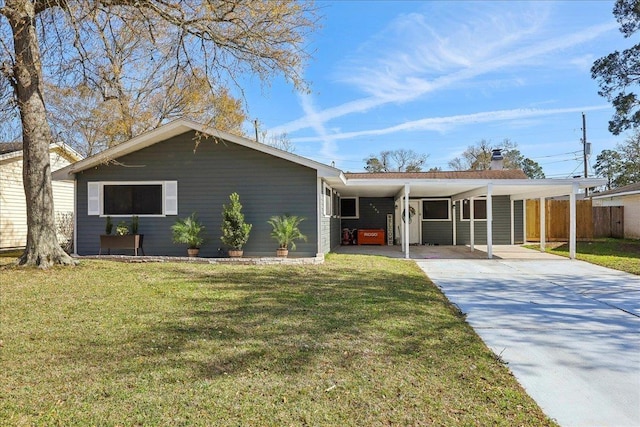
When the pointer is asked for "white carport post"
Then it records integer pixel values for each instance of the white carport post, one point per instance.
(455, 231)
(524, 220)
(543, 224)
(512, 225)
(572, 221)
(472, 227)
(489, 221)
(407, 190)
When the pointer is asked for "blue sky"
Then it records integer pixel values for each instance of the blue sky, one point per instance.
(439, 76)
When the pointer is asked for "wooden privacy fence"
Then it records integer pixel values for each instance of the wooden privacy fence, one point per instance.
(557, 220)
(608, 221)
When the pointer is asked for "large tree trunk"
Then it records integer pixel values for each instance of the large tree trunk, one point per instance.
(42, 247)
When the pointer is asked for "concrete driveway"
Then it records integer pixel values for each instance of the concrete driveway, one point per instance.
(569, 331)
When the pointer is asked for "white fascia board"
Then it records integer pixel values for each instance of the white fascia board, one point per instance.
(538, 188)
(613, 195)
(65, 149)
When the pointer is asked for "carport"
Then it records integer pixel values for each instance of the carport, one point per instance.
(467, 185)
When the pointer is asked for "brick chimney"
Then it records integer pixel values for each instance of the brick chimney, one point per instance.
(497, 160)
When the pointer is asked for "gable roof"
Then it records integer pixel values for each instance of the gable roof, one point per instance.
(480, 174)
(178, 127)
(621, 191)
(11, 151)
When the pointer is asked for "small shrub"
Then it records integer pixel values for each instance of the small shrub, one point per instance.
(64, 229)
(235, 232)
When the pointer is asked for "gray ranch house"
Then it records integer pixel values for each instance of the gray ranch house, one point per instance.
(184, 167)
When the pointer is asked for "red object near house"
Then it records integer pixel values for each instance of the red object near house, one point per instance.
(371, 236)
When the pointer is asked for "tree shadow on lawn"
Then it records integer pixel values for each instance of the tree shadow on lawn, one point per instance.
(609, 247)
(289, 320)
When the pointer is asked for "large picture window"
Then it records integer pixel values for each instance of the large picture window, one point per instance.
(349, 208)
(479, 209)
(436, 210)
(133, 199)
(146, 198)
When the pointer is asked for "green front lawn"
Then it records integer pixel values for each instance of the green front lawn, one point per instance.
(620, 254)
(358, 341)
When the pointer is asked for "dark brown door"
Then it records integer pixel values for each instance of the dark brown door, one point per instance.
(617, 222)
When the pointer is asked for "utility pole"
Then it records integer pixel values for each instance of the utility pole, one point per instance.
(585, 150)
(255, 126)
(584, 144)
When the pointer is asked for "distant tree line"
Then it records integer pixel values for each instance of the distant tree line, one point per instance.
(475, 157)
(621, 166)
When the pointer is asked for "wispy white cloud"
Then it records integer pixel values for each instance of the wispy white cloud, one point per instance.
(420, 59)
(329, 146)
(441, 124)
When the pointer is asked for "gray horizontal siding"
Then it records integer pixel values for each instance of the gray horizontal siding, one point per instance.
(372, 213)
(501, 234)
(437, 232)
(267, 186)
(518, 228)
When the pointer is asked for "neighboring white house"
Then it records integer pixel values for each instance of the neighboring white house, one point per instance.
(13, 208)
(629, 197)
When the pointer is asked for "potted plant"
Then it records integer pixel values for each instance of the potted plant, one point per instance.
(286, 231)
(189, 231)
(125, 237)
(235, 232)
(122, 229)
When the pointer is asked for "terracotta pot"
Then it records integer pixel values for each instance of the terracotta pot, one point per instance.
(282, 252)
(236, 253)
(193, 252)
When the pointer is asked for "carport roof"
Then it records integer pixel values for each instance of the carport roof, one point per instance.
(458, 184)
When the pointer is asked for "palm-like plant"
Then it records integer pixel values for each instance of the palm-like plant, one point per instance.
(286, 230)
(188, 231)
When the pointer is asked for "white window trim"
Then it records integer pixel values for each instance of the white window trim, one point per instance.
(475, 199)
(101, 185)
(448, 219)
(327, 211)
(357, 199)
(335, 196)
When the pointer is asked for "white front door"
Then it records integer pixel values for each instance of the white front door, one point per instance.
(414, 222)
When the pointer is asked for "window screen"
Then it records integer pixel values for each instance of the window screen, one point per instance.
(349, 207)
(479, 209)
(133, 199)
(435, 209)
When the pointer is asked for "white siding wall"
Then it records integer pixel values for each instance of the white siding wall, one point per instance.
(13, 209)
(632, 217)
